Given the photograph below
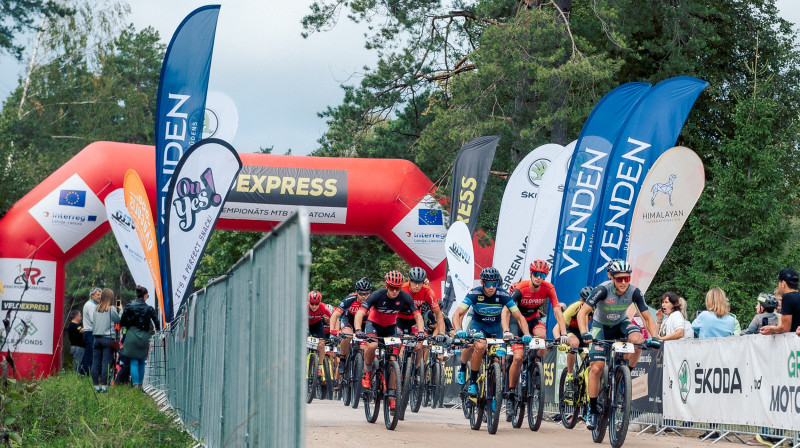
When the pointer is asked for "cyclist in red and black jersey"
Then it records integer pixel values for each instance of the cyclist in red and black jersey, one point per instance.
(318, 315)
(529, 296)
(424, 299)
(344, 317)
(383, 307)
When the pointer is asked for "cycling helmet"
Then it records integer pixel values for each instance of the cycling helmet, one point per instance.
(394, 278)
(417, 274)
(585, 291)
(540, 266)
(490, 274)
(768, 301)
(363, 285)
(617, 266)
(314, 297)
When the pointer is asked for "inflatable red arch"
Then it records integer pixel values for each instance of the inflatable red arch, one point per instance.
(37, 238)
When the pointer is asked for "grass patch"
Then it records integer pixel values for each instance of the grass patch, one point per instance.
(64, 411)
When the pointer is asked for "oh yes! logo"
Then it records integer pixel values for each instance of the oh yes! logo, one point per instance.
(194, 197)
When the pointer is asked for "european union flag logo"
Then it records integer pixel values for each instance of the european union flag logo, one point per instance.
(92, 218)
(74, 198)
(429, 217)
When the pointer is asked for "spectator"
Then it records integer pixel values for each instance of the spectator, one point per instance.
(670, 319)
(790, 306)
(105, 315)
(688, 331)
(716, 321)
(88, 331)
(75, 334)
(765, 313)
(140, 320)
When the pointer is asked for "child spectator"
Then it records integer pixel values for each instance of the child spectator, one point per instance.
(765, 313)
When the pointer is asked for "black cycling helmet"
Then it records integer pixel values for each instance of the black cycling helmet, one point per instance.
(490, 274)
(585, 291)
(363, 285)
(618, 266)
(417, 274)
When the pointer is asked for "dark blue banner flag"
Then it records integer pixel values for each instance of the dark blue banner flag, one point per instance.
(179, 111)
(651, 129)
(584, 187)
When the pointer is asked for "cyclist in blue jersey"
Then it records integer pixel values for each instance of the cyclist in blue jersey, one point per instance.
(487, 302)
(609, 301)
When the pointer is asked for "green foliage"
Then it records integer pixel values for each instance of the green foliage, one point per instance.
(17, 16)
(224, 249)
(63, 410)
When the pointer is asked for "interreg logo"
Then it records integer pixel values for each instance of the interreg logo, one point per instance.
(459, 252)
(683, 377)
(430, 217)
(194, 197)
(536, 171)
(72, 198)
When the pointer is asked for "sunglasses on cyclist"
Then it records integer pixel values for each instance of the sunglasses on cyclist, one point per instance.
(393, 288)
(541, 275)
(623, 278)
(490, 284)
(362, 293)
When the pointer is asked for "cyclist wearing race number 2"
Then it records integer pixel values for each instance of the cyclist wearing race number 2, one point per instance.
(609, 302)
(487, 302)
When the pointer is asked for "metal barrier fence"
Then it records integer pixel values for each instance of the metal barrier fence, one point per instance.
(224, 365)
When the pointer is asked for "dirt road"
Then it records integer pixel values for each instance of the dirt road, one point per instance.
(331, 425)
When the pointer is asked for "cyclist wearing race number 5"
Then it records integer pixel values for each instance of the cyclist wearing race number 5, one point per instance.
(487, 302)
(609, 302)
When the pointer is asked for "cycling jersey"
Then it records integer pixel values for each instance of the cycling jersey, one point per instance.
(485, 309)
(529, 300)
(383, 310)
(348, 309)
(571, 314)
(317, 316)
(609, 308)
(424, 296)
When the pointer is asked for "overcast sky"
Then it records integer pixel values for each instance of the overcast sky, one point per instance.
(278, 80)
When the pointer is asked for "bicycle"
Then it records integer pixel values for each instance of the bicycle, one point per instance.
(530, 390)
(572, 405)
(614, 399)
(312, 367)
(386, 372)
(325, 373)
(434, 388)
(490, 386)
(408, 369)
(347, 382)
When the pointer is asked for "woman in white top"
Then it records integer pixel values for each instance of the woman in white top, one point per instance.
(688, 331)
(672, 321)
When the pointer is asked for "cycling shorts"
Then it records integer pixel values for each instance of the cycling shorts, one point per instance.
(533, 324)
(577, 333)
(346, 322)
(317, 330)
(381, 331)
(618, 331)
(404, 326)
(481, 330)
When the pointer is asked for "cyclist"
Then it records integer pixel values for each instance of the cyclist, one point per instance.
(573, 332)
(529, 296)
(425, 301)
(344, 316)
(383, 306)
(487, 302)
(431, 323)
(318, 315)
(609, 302)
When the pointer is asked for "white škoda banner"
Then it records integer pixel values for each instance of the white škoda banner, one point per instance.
(516, 212)
(668, 195)
(749, 380)
(460, 261)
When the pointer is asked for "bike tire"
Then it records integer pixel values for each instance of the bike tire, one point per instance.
(418, 386)
(344, 381)
(436, 378)
(373, 395)
(494, 397)
(390, 415)
(599, 433)
(406, 386)
(465, 401)
(620, 409)
(357, 371)
(569, 412)
(535, 395)
(327, 390)
(475, 411)
(311, 377)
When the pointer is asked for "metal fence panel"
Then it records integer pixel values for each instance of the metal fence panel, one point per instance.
(225, 365)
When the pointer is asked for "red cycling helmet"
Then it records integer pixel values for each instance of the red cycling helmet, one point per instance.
(540, 266)
(315, 297)
(394, 278)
